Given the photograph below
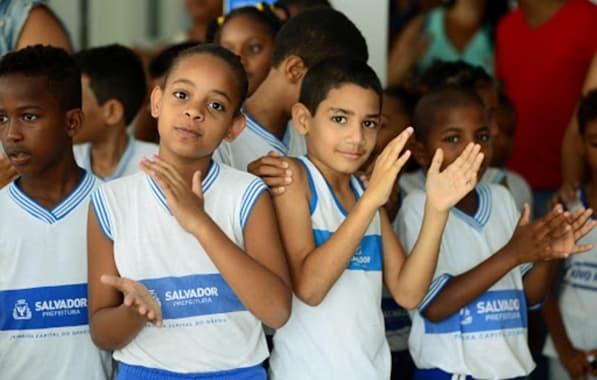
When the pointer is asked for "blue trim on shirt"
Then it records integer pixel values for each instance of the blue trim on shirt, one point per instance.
(480, 218)
(266, 135)
(436, 286)
(127, 156)
(250, 197)
(68, 204)
(135, 372)
(98, 203)
(314, 198)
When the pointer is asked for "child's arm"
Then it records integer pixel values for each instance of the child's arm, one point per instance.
(251, 274)
(531, 242)
(118, 308)
(575, 361)
(314, 270)
(407, 279)
(7, 171)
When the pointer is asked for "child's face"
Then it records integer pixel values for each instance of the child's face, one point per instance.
(93, 127)
(343, 131)
(393, 121)
(252, 43)
(35, 131)
(196, 107)
(453, 130)
(589, 145)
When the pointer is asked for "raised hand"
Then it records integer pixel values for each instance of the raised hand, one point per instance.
(445, 189)
(387, 165)
(185, 202)
(136, 297)
(576, 363)
(273, 170)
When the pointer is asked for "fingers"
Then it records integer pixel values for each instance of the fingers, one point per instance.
(115, 282)
(196, 184)
(436, 162)
(396, 146)
(136, 296)
(273, 170)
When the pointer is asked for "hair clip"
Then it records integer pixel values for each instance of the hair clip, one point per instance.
(221, 20)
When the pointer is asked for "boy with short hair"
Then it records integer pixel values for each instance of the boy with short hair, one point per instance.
(569, 311)
(473, 320)
(338, 237)
(114, 88)
(43, 291)
(303, 41)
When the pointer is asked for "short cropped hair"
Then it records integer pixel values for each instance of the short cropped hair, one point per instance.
(406, 97)
(457, 73)
(229, 58)
(440, 100)
(52, 63)
(115, 72)
(587, 111)
(317, 34)
(333, 73)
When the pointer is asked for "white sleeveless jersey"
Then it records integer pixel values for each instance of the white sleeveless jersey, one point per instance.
(578, 294)
(487, 338)
(343, 337)
(129, 162)
(255, 142)
(206, 327)
(44, 332)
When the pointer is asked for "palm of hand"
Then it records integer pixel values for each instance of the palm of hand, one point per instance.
(445, 189)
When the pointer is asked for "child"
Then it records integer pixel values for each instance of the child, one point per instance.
(249, 32)
(334, 231)
(114, 88)
(201, 267)
(572, 342)
(472, 322)
(303, 41)
(286, 9)
(43, 288)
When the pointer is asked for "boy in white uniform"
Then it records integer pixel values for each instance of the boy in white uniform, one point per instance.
(472, 322)
(43, 289)
(570, 312)
(302, 42)
(113, 84)
(190, 246)
(338, 236)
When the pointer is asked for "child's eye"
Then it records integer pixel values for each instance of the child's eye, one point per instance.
(3, 119)
(217, 106)
(370, 124)
(254, 49)
(484, 137)
(452, 139)
(29, 117)
(339, 119)
(180, 95)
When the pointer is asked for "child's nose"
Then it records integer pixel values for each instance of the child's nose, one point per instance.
(195, 114)
(13, 131)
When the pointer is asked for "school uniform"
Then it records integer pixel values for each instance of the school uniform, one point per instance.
(206, 329)
(44, 330)
(342, 337)
(129, 162)
(255, 142)
(486, 339)
(578, 295)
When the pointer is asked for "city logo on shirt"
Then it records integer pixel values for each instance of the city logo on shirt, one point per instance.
(21, 310)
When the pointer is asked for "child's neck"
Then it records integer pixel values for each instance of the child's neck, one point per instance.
(105, 155)
(469, 204)
(54, 184)
(265, 107)
(339, 183)
(187, 167)
(537, 12)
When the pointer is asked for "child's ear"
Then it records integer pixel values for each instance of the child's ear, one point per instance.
(238, 124)
(419, 153)
(301, 118)
(294, 68)
(113, 112)
(155, 97)
(74, 121)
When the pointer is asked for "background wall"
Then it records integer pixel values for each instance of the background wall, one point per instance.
(146, 22)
